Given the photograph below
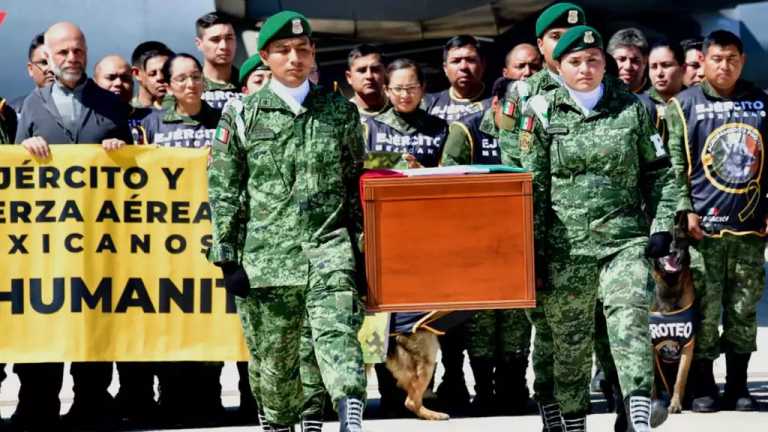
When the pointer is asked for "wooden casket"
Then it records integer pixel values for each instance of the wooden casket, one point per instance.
(449, 242)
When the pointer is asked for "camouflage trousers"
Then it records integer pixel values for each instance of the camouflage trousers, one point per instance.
(733, 283)
(542, 359)
(622, 287)
(492, 333)
(274, 321)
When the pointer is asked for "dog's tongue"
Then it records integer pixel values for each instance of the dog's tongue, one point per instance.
(670, 263)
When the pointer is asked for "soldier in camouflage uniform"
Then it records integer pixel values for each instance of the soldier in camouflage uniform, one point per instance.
(217, 42)
(600, 173)
(550, 26)
(498, 341)
(716, 133)
(296, 151)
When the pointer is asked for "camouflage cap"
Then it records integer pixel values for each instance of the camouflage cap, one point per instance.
(252, 64)
(560, 15)
(576, 39)
(283, 25)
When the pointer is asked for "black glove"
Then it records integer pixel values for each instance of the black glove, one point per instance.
(235, 279)
(658, 245)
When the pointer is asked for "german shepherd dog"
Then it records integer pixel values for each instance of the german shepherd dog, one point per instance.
(413, 354)
(674, 298)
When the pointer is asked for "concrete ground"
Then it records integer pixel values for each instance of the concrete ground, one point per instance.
(601, 421)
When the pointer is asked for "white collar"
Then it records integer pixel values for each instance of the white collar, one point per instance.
(587, 101)
(293, 96)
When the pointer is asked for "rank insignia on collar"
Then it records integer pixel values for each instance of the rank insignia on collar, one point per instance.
(573, 16)
(589, 37)
(525, 141)
(296, 27)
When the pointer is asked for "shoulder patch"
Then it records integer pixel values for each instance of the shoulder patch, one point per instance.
(222, 135)
(538, 106)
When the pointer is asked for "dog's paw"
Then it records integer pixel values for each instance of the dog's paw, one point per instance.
(428, 414)
(675, 407)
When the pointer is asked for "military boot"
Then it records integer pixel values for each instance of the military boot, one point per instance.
(639, 412)
(551, 417)
(351, 415)
(511, 388)
(266, 426)
(736, 396)
(706, 397)
(452, 393)
(482, 403)
(575, 423)
(617, 402)
(659, 412)
(311, 424)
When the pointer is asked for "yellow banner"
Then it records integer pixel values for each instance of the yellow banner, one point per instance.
(102, 258)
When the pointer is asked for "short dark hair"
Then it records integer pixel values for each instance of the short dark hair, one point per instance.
(168, 63)
(676, 48)
(209, 20)
(37, 41)
(499, 88)
(722, 38)
(142, 49)
(362, 50)
(459, 42)
(149, 55)
(692, 43)
(404, 63)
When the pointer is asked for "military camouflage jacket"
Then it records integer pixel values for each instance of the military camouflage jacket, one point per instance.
(300, 176)
(600, 178)
(541, 82)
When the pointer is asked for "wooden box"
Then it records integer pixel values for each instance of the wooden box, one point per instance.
(454, 242)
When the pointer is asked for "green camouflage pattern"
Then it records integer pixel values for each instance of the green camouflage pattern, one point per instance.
(599, 191)
(296, 357)
(542, 360)
(492, 333)
(733, 282)
(296, 173)
(300, 174)
(542, 357)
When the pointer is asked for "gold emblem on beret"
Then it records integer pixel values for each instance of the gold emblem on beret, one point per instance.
(589, 37)
(296, 27)
(573, 16)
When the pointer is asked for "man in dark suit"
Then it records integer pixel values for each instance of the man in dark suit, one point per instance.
(71, 110)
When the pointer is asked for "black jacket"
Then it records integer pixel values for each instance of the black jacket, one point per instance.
(103, 116)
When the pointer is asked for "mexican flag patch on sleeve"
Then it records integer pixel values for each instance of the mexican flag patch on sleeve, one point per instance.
(222, 135)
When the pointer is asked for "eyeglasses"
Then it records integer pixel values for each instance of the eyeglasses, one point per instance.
(409, 89)
(41, 64)
(181, 79)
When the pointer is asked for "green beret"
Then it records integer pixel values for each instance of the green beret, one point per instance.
(560, 15)
(253, 63)
(283, 25)
(576, 39)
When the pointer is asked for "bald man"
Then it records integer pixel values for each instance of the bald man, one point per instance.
(521, 62)
(71, 110)
(114, 74)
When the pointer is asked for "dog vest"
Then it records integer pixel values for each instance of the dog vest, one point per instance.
(725, 151)
(671, 332)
